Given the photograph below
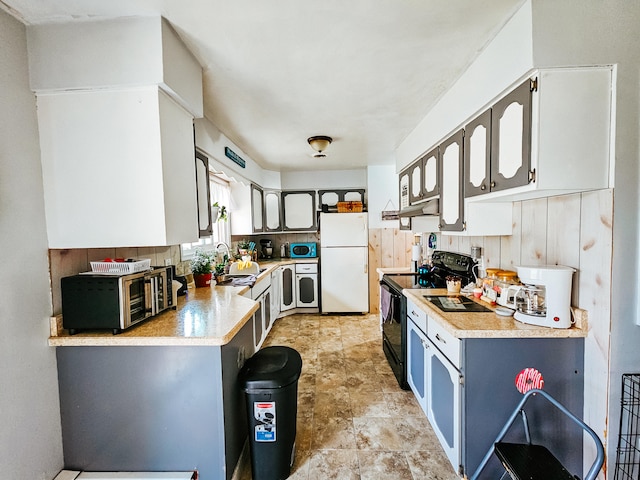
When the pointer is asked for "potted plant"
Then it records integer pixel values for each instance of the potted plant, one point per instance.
(218, 212)
(219, 272)
(202, 268)
(243, 247)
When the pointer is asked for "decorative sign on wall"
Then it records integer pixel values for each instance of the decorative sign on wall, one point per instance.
(234, 156)
(528, 379)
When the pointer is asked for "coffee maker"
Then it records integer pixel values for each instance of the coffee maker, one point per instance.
(545, 297)
(266, 247)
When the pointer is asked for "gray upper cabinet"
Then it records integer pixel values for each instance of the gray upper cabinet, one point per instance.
(415, 182)
(498, 145)
(299, 210)
(329, 199)
(405, 223)
(205, 223)
(430, 174)
(551, 135)
(257, 209)
(451, 155)
(511, 139)
(403, 180)
(272, 216)
(477, 155)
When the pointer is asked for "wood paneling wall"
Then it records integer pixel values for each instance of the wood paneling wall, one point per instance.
(388, 247)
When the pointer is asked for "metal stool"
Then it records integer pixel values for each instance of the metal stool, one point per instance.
(526, 461)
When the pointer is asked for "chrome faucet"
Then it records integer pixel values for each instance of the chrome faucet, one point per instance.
(228, 250)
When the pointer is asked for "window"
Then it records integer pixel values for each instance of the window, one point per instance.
(221, 193)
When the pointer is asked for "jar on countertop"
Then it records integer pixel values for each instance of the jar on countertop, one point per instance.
(488, 292)
(506, 278)
(504, 295)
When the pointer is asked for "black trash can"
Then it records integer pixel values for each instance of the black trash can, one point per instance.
(270, 380)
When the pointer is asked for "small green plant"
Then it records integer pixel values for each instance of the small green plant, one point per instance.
(219, 269)
(222, 212)
(202, 262)
(243, 244)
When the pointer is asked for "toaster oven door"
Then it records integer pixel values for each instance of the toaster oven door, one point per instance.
(136, 301)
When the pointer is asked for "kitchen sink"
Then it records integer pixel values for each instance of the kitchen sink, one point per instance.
(239, 279)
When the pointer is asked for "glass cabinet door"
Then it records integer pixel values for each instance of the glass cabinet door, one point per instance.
(205, 223)
(257, 207)
(299, 210)
(272, 220)
(477, 155)
(404, 189)
(511, 139)
(451, 178)
(415, 182)
(430, 175)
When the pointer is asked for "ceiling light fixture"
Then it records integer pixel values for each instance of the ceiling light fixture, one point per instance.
(320, 143)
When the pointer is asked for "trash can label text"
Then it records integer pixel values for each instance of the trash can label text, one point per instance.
(265, 413)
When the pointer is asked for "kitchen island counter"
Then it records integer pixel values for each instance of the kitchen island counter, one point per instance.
(490, 324)
(205, 316)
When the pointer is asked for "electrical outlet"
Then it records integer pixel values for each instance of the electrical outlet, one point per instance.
(167, 261)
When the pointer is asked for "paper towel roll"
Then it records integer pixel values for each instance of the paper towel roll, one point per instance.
(416, 253)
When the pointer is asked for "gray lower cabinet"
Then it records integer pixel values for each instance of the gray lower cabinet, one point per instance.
(468, 404)
(489, 395)
(154, 408)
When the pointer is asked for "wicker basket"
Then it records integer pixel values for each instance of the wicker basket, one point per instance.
(121, 267)
(349, 207)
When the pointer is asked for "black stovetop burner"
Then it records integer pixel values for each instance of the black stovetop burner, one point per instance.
(443, 264)
(411, 280)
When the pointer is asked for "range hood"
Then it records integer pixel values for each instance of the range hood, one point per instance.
(428, 208)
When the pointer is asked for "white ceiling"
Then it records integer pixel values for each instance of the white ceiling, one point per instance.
(364, 72)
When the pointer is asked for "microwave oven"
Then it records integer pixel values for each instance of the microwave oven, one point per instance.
(115, 302)
(303, 250)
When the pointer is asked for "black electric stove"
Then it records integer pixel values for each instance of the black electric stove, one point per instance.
(394, 318)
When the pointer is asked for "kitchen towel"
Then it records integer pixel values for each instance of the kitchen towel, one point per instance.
(386, 305)
(249, 280)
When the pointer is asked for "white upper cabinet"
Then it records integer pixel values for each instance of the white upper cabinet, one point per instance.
(118, 169)
(123, 52)
(247, 209)
(116, 102)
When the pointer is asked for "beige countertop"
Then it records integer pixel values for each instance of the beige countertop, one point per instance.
(491, 325)
(205, 316)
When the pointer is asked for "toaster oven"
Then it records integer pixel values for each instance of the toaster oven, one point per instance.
(115, 302)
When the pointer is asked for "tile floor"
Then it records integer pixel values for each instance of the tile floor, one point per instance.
(354, 421)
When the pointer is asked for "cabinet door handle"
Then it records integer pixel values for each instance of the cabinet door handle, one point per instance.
(493, 184)
(483, 187)
(439, 338)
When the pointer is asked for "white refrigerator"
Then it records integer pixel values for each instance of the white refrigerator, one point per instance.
(344, 262)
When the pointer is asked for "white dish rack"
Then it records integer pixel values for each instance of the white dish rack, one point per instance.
(121, 267)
